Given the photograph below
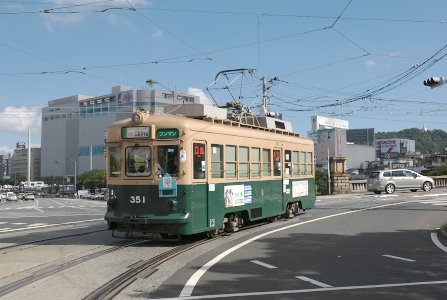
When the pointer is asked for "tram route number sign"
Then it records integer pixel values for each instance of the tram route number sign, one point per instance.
(167, 133)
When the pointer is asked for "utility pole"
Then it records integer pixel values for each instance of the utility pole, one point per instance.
(29, 159)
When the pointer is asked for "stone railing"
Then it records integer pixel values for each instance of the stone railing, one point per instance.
(359, 186)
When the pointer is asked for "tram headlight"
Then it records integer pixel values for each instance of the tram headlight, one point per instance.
(137, 118)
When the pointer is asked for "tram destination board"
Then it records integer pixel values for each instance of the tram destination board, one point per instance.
(136, 132)
(167, 133)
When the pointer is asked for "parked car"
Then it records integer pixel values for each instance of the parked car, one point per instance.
(28, 196)
(390, 180)
(11, 196)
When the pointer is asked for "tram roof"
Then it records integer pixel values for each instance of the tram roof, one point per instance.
(180, 121)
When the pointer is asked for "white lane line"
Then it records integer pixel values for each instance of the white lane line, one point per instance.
(36, 224)
(397, 257)
(386, 196)
(440, 204)
(18, 223)
(4, 229)
(38, 209)
(331, 289)
(320, 284)
(194, 279)
(431, 202)
(434, 238)
(49, 225)
(1, 223)
(262, 264)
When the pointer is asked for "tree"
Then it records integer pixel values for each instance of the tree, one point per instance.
(92, 179)
(15, 179)
(439, 171)
(321, 182)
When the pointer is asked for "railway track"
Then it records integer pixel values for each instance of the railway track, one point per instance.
(9, 288)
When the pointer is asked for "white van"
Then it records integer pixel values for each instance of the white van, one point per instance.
(10, 196)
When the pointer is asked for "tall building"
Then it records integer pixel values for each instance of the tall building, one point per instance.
(5, 166)
(73, 127)
(361, 136)
(19, 162)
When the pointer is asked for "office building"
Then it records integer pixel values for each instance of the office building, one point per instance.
(73, 128)
(360, 136)
(19, 162)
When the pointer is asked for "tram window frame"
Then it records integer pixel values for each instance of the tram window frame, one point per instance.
(302, 163)
(199, 160)
(309, 163)
(244, 162)
(255, 162)
(171, 163)
(115, 165)
(217, 161)
(230, 161)
(295, 163)
(266, 162)
(277, 170)
(131, 169)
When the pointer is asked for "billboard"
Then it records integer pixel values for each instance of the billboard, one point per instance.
(388, 146)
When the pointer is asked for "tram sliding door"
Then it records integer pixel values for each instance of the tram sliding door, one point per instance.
(199, 189)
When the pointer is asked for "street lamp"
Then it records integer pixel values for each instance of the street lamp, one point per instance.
(435, 81)
(74, 174)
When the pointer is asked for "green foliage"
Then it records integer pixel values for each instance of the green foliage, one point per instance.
(92, 179)
(321, 182)
(430, 141)
(14, 179)
(439, 171)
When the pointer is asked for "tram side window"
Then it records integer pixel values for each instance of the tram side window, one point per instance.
(255, 163)
(266, 163)
(302, 163)
(217, 167)
(288, 162)
(138, 161)
(276, 162)
(295, 164)
(309, 168)
(199, 161)
(168, 160)
(115, 161)
(230, 161)
(243, 162)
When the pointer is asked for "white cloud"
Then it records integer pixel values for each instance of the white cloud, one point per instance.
(370, 63)
(158, 33)
(19, 119)
(5, 150)
(203, 97)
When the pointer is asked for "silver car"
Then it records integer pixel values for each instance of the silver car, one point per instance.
(391, 180)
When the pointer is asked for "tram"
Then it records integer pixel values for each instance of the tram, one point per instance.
(176, 176)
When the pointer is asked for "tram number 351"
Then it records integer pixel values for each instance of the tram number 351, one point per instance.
(137, 199)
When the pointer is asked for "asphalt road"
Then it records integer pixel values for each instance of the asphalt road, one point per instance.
(354, 246)
(23, 216)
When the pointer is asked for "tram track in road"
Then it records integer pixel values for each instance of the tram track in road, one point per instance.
(140, 269)
(11, 287)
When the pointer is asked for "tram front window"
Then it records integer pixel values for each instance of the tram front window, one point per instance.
(168, 160)
(138, 161)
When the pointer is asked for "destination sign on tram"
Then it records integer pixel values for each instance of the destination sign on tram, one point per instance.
(167, 133)
(136, 132)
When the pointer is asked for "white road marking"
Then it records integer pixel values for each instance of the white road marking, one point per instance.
(49, 225)
(434, 238)
(386, 196)
(320, 284)
(331, 289)
(3, 223)
(18, 223)
(36, 224)
(263, 264)
(38, 209)
(192, 281)
(431, 202)
(440, 204)
(397, 257)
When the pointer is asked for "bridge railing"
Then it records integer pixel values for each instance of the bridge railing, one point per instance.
(359, 186)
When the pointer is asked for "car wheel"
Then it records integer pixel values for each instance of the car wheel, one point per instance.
(390, 188)
(378, 192)
(427, 186)
(414, 190)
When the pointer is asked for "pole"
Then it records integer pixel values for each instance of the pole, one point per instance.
(29, 159)
(91, 157)
(328, 173)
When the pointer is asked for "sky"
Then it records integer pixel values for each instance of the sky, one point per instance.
(357, 60)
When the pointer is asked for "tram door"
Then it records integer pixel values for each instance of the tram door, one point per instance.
(200, 186)
(278, 173)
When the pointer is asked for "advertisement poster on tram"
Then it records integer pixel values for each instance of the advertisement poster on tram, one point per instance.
(300, 188)
(237, 195)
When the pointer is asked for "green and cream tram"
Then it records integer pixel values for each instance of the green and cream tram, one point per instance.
(175, 175)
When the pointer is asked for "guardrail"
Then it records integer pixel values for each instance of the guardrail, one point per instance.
(359, 186)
